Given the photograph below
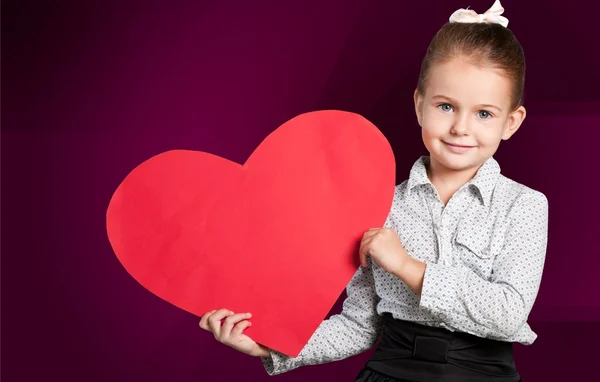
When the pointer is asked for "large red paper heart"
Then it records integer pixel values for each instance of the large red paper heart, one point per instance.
(277, 236)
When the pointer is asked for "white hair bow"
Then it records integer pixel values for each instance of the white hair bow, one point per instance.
(492, 15)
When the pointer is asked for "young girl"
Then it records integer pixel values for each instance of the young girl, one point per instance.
(448, 283)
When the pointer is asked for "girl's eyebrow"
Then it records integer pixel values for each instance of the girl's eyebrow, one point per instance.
(451, 100)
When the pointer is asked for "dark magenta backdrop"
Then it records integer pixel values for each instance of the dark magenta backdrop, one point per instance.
(91, 89)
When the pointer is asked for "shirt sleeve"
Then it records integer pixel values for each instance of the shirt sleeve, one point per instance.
(497, 308)
(354, 330)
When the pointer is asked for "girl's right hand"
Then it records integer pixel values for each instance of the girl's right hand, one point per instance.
(228, 328)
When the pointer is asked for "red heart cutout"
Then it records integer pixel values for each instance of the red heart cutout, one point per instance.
(277, 236)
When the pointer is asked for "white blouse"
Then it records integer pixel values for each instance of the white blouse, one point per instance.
(484, 250)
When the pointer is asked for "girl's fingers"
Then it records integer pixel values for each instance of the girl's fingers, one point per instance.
(230, 322)
(204, 320)
(364, 251)
(370, 233)
(214, 321)
(238, 329)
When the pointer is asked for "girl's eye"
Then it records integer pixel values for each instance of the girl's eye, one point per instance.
(445, 107)
(484, 114)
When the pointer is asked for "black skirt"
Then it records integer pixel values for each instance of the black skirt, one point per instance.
(409, 352)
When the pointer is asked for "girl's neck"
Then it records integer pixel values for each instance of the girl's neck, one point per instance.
(447, 181)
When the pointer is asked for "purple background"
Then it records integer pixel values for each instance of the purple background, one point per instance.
(92, 88)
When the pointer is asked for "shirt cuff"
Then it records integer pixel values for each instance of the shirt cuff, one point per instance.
(274, 363)
(268, 364)
(441, 284)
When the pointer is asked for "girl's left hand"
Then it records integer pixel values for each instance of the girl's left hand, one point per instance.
(384, 247)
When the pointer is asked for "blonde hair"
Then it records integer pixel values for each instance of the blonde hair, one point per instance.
(486, 44)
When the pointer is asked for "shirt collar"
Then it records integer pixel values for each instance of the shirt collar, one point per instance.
(418, 173)
(484, 180)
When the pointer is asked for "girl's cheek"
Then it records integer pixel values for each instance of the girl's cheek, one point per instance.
(437, 123)
(490, 134)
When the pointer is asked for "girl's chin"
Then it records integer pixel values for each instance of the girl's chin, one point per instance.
(453, 162)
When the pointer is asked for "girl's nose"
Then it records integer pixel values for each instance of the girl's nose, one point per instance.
(460, 126)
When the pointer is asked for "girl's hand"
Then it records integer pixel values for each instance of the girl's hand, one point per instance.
(228, 328)
(384, 247)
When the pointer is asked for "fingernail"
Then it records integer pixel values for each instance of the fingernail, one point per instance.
(249, 314)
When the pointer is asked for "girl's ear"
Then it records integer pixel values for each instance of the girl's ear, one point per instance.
(418, 98)
(515, 119)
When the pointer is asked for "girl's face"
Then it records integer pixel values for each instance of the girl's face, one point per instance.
(465, 113)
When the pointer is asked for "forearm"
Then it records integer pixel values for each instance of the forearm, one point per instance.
(463, 300)
(412, 274)
(337, 338)
(466, 302)
(353, 331)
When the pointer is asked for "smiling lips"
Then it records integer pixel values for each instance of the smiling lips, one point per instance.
(458, 148)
